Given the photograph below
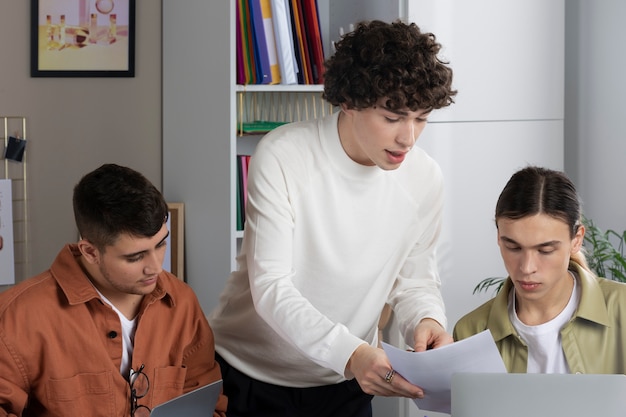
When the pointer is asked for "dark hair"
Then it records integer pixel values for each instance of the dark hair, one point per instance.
(535, 190)
(113, 200)
(388, 60)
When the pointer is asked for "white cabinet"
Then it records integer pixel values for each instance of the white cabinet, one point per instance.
(507, 56)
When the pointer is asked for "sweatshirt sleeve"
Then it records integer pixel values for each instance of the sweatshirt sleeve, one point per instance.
(417, 292)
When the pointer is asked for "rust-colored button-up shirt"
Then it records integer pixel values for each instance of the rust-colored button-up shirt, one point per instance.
(61, 346)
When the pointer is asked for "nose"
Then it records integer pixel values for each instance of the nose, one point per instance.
(528, 265)
(407, 136)
(153, 263)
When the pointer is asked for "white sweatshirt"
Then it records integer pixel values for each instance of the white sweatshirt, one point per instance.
(327, 243)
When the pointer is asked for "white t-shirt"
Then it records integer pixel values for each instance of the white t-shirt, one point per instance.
(128, 337)
(545, 350)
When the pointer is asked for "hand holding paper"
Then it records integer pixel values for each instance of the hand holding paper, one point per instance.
(432, 370)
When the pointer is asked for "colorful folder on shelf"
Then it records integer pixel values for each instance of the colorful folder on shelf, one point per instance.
(243, 161)
(300, 38)
(268, 25)
(239, 195)
(279, 41)
(284, 41)
(247, 43)
(241, 72)
(261, 51)
(314, 39)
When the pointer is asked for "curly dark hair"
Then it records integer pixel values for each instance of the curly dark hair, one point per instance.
(395, 61)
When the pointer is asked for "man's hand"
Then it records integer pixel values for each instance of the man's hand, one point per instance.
(429, 334)
(373, 372)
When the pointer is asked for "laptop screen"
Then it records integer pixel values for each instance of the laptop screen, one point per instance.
(200, 402)
(538, 395)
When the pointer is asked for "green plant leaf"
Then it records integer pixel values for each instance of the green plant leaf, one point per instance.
(487, 283)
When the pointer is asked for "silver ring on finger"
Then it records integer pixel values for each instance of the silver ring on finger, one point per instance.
(389, 376)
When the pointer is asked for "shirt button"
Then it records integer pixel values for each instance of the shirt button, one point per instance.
(112, 334)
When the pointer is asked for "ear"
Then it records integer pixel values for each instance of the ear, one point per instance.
(90, 253)
(346, 110)
(579, 239)
(497, 234)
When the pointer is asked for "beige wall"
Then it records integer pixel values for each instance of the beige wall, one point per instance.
(76, 124)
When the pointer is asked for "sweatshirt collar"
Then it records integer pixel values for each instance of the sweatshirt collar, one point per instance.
(331, 143)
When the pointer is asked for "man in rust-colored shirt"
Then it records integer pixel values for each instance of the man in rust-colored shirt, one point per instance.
(105, 331)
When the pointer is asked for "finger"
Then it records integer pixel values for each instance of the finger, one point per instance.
(421, 345)
(395, 385)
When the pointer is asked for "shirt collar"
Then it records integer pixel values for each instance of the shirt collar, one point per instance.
(77, 287)
(592, 306)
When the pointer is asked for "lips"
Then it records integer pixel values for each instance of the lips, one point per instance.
(528, 286)
(149, 281)
(396, 156)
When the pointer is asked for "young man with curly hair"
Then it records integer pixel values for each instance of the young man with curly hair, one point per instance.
(343, 216)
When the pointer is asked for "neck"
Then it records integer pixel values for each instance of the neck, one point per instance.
(127, 304)
(346, 137)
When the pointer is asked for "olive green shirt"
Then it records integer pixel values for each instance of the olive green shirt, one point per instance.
(593, 340)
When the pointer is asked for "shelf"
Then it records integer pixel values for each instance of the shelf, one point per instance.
(295, 88)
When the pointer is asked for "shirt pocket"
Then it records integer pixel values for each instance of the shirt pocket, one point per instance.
(168, 383)
(75, 395)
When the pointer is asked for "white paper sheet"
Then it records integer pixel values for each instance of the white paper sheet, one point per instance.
(7, 260)
(432, 370)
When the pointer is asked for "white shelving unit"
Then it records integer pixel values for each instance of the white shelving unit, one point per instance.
(279, 103)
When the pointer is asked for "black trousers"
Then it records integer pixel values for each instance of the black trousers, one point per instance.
(248, 397)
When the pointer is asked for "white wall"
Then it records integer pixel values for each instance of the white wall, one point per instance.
(198, 111)
(477, 159)
(508, 114)
(76, 124)
(595, 105)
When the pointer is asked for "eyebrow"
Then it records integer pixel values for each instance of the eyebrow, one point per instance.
(554, 243)
(132, 255)
(402, 112)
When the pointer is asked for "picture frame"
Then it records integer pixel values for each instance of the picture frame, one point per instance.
(175, 257)
(82, 38)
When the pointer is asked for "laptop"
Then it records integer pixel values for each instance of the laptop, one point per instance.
(538, 395)
(200, 402)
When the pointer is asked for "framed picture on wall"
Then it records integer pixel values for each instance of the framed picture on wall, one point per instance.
(82, 38)
(174, 261)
